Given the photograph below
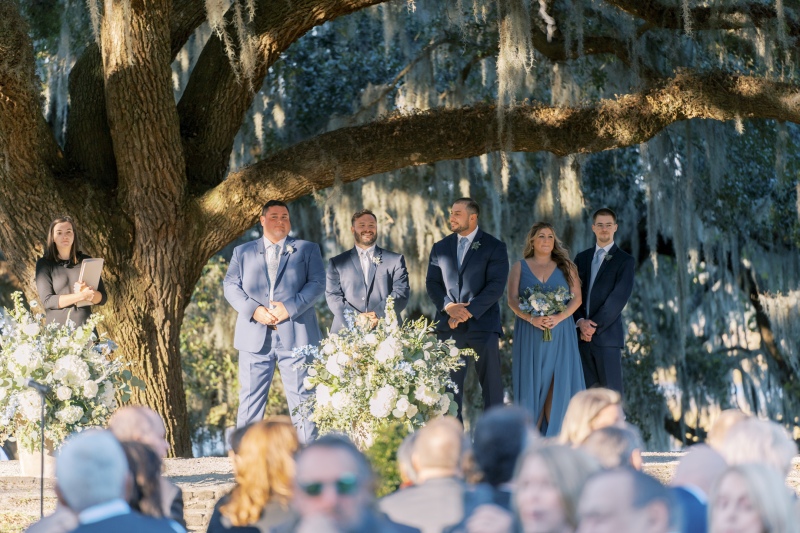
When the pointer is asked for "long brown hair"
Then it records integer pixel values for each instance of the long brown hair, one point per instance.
(264, 470)
(145, 469)
(560, 253)
(51, 250)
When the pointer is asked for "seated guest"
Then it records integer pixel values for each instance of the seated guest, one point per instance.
(624, 500)
(437, 500)
(759, 441)
(719, 429)
(263, 466)
(590, 410)
(500, 436)
(749, 498)
(136, 423)
(614, 447)
(694, 476)
(145, 472)
(92, 479)
(408, 476)
(334, 491)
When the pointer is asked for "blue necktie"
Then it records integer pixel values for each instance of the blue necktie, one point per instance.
(596, 262)
(462, 248)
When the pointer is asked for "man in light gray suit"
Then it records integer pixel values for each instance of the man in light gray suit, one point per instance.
(273, 283)
(362, 278)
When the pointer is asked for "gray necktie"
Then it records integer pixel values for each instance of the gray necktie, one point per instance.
(272, 267)
(365, 261)
(596, 262)
(462, 248)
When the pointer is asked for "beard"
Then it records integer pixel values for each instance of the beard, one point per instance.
(455, 228)
(365, 241)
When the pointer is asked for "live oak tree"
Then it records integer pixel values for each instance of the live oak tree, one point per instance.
(147, 178)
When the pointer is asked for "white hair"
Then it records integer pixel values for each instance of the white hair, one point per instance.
(759, 441)
(91, 469)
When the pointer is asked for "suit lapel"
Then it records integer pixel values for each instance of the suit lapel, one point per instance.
(284, 257)
(261, 250)
(374, 269)
(356, 259)
(603, 265)
(471, 249)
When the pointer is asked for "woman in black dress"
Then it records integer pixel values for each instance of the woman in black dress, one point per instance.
(57, 276)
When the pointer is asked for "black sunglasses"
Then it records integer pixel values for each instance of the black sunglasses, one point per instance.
(345, 486)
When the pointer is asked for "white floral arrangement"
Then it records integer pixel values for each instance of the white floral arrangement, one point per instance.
(83, 379)
(366, 378)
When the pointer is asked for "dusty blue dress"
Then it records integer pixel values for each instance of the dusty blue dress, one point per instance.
(537, 363)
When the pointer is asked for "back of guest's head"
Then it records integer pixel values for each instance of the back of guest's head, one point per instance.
(91, 469)
(145, 469)
(264, 469)
(137, 423)
(499, 438)
(542, 467)
(408, 476)
(615, 446)
(759, 441)
(750, 493)
(589, 410)
(700, 468)
(722, 425)
(439, 447)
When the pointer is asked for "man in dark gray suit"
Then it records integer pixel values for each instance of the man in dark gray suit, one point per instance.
(362, 278)
(92, 475)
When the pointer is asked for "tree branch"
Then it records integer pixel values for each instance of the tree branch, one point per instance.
(731, 17)
(215, 101)
(348, 154)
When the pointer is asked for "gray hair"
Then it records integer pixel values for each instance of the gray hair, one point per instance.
(759, 441)
(91, 469)
(613, 446)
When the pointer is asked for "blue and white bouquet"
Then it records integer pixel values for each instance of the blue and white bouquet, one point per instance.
(540, 300)
(365, 378)
(84, 380)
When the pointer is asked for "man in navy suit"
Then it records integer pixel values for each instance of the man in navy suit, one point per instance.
(466, 277)
(362, 278)
(606, 274)
(273, 283)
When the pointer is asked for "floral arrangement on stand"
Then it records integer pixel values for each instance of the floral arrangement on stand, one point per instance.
(365, 378)
(540, 300)
(84, 381)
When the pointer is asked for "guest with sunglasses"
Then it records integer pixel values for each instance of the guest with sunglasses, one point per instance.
(334, 491)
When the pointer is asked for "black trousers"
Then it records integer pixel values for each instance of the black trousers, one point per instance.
(602, 366)
(487, 345)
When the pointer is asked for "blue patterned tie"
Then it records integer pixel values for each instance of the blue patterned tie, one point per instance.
(462, 248)
(596, 262)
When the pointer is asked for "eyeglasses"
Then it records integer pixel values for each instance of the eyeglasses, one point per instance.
(605, 226)
(345, 486)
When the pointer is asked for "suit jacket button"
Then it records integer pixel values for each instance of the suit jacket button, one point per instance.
(362, 299)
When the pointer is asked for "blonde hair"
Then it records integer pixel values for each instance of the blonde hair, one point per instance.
(264, 470)
(569, 468)
(722, 425)
(759, 441)
(768, 495)
(582, 409)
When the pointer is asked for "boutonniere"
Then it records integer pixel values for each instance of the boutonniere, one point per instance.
(290, 249)
(608, 257)
(476, 245)
(376, 260)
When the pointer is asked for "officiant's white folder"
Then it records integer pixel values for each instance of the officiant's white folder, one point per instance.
(91, 269)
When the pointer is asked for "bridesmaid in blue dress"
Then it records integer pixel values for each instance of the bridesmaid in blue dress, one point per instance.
(546, 375)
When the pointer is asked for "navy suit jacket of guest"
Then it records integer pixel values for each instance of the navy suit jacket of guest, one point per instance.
(127, 523)
(300, 282)
(612, 287)
(346, 288)
(480, 281)
(694, 513)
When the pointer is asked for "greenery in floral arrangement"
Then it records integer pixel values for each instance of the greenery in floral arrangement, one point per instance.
(367, 378)
(383, 457)
(83, 379)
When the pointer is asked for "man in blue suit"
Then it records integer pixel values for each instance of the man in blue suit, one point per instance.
(466, 277)
(273, 283)
(362, 278)
(606, 274)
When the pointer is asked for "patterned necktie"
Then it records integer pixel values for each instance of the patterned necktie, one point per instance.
(365, 261)
(462, 248)
(272, 267)
(596, 262)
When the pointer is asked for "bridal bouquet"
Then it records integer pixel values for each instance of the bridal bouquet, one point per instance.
(82, 378)
(365, 378)
(540, 300)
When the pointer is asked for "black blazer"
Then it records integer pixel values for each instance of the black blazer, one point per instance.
(611, 290)
(132, 522)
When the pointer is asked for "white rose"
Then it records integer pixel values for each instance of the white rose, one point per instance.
(411, 411)
(371, 339)
(426, 396)
(312, 372)
(31, 329)
(397, 413)
(402, 404)
(323, 395)
(338, 401)
(63, 393)
(387, 350)
(342, 358)
(90, 389)
(30, 405)
(380, 405)
(329, 348)
(307, 383)
(454, 351)
(333, 367)
(443, 406)
(70, 414)
(71, 370)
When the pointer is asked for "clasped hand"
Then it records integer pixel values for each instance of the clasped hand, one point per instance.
(545, 322)
(86, 292)
(368, 320)
(273, 316)
(587, 328)
(458, 313)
